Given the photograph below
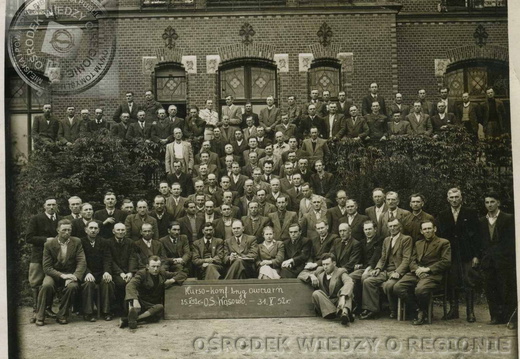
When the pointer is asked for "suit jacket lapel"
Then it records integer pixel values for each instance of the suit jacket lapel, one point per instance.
(397, 244)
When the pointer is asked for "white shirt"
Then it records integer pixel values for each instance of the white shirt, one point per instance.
(455, 212)
(492, 219)
(379, 212)
(148, 243)
(394, 239)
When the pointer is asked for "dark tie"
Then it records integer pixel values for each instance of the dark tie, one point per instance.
(238, 240)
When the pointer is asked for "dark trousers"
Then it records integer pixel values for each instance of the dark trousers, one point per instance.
(500, 289)
(415, 291)
(49, 286)
(212, 271)
(88, 295)
(118, 302)
(241, 269)
(461, 277)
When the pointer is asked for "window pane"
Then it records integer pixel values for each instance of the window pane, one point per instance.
(455, 82)
(232, 83)
(263, 83)
(17, 96)
(477, 81)
(498, 78)
(325, 79)
(171, 88)
(38, 99)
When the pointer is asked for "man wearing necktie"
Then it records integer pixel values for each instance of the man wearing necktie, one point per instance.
(208, 254)
(241, 253)
(430, 259)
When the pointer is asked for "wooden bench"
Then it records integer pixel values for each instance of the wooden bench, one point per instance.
(245, 298)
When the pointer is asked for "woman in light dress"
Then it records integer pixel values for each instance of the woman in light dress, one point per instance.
(270, 256)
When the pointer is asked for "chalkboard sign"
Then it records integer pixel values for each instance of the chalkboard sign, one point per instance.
(247, 298)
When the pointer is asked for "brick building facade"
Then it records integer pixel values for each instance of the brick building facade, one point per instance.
(197, 50)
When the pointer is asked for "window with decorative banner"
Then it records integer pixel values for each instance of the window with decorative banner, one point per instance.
(325, 75)
(23, 104)
(475, 76)
(248, 80)
(170, 86)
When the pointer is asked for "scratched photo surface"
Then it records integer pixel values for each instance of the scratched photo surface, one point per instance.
(119, 118)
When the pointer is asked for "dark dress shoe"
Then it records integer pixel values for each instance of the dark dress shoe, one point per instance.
(39, 323)
(33, 319)
(369, 315)
(123, 323)
(132, 318)
(345, 317)
(62, 320)
(89, 318)
(452, 314)
(470, 318)
(420, 320)
(49, 313)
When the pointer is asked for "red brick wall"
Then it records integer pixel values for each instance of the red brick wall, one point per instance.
(419, 6)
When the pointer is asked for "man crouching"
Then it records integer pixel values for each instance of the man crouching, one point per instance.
(145, 292)
(334, 294)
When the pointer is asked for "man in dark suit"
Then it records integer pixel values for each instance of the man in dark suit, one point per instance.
(321, 243)
(354, 219)
(313, 120)
(430, 259)
(41, 229)
(334, 124)
(248, 112)
(129, 107)
(75, 203)
(269, 117)
(443, 120)
(393, 264)
(146, 246)
(497, 250)
(79, 224)
(145, 293)
(335, 214)
(241, 253)
(70, 128)
(119, 129)
(355, 126)
(377, 124)
(460, 226)
(176, 122)
(322, 182)
(347, 249)
(412, 224)
(161, 215)
(370, 98)
(343, 105)
(494, 117)
(134, 222)
(338, 301)
(428, 108)
(161, 131)
(208, 254)
(45, 127)
(227, 132)
(139, 129)
(398, 106)
(370, 254)
(295, 193)
(110, 215)
(98, 274)
(393, 212)
(254, 223)
(176, 250)
(469, 114)
(237, 179)
(282, 219)
(297, 252)
(239, 143)
(124, 264)
(64, 265)
(192, 223)
(175, 203)
(183, 179)
(98, 123)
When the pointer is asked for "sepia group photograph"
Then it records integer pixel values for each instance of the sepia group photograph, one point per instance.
(259, 178)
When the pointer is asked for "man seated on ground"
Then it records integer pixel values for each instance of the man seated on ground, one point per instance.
(430, 259)
(333, 295)
(64, 265)
(99, 268)
(208, 254)
(145, 293)
(241, 253)
(176, 250)
(393, 264)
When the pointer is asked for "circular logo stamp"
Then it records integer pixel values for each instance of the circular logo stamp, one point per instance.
(64, 49)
